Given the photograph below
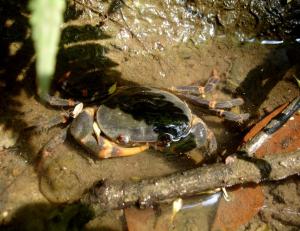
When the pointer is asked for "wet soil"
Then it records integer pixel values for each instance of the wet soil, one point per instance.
(262, 75)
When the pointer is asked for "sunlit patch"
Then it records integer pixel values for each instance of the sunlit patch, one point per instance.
(176, 206)
(14, 47)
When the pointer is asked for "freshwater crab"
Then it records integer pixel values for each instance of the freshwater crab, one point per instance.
(135, 118)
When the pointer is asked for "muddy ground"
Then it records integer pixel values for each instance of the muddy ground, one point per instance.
(35, 194)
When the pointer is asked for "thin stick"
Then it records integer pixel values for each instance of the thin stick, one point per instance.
(115, 195)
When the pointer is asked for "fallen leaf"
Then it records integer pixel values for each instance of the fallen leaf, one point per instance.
(245, 202)
(285, 140)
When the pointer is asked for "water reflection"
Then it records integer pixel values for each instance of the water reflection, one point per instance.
(197, 212)
(204, 201)
(195, 21)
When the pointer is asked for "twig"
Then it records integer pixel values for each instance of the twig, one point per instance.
(114, 195)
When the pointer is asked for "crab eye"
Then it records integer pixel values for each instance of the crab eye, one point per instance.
(165, 139)
(124, 139)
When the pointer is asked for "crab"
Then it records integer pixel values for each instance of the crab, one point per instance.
(136, 118)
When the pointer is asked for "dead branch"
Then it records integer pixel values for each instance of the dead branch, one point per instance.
(114, 195)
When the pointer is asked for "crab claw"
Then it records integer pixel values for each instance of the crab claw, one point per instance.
(110, 149)
(103, 148)
(83, 130)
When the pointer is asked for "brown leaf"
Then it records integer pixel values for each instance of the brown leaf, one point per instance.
(244, 204)
(285, 140)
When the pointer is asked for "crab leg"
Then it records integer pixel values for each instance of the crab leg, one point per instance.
(82, 130)
(200, 90)
(47, 149)
(58, 102)
(226, 104)
(230, 116)
(227, 115)
(45, 126)
(211, 82)
(62, 118)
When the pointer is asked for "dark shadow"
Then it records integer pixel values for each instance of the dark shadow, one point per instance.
(84, 72)
(72, 12)
(16, 52)
(46, 217)
(276, 19)
(16, 48)
(82, 33)
(263, 166)
(260, 81)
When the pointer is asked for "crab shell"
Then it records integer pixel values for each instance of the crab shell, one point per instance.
(136, 115)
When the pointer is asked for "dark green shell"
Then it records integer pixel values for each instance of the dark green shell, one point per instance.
(142, 114)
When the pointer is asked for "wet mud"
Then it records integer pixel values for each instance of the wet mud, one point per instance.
(156, 44)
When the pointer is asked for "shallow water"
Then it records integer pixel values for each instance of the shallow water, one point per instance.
(174, 54)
